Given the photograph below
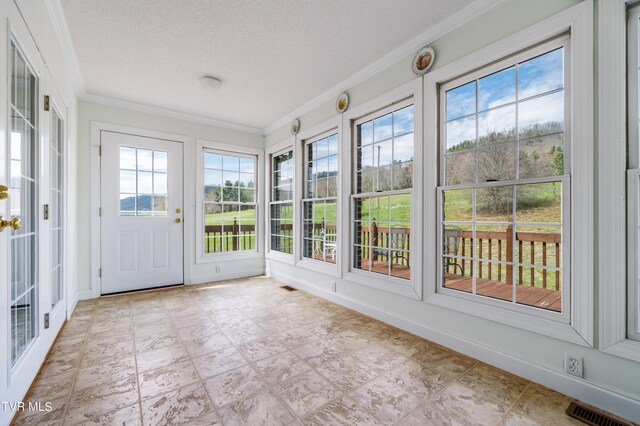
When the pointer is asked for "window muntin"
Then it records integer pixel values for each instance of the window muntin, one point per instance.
(143, 182)
(320, 201)
(229, 209)
(281, 205)
(505, 194)
(382, 192)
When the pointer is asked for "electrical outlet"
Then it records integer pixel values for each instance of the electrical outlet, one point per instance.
(333, 286)
(573, 365)
(217, 269)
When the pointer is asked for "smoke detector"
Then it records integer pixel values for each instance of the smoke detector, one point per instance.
(211, 82)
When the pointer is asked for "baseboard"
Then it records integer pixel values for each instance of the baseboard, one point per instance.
(72, 306)
(245, 273)
(597, 396)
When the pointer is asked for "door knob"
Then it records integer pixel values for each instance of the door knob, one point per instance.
(14, 223)
(178, 220)
(4, 192)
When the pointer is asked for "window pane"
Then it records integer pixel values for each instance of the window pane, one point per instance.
(160, 205)
(461, 134)
(127, 204)
(539, 269)
(231, 163)
(497, 89)
(145, 160)
(247, 165)
(497, 163)
(382, 153)
(497, 125)
(212, 160)
(541, 74)
(403, 121)
(382, 128)
(458, 205)
(365, 133)
(127, 158)
(403, 175)
(460, 168)
(128, 181)
(494, 204)
(159, 161)
(160, 183)
(403, 148)
(539, 202)
(145, 183)
(212, 178)
(541, 157)
(541, 116)
(461, 101)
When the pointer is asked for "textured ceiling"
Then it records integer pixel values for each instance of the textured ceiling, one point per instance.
(272, 55)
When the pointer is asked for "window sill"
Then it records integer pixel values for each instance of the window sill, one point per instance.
(628, 349)
(280, 257)
(406, 288)
(319, 266)
(227, 257)
(508, 317)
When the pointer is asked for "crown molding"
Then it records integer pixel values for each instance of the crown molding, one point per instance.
(169, 113)
(56, 15)
(429, 36)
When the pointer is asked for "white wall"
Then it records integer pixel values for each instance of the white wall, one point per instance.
(100, 112)
(608, 379)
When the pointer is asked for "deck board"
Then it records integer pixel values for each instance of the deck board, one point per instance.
(532, 296)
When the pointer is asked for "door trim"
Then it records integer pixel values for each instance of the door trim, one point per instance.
(97, 128)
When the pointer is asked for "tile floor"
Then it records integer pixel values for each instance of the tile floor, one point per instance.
(248, 352)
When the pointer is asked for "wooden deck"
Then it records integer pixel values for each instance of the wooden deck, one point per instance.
(382, 267)
(525, 295)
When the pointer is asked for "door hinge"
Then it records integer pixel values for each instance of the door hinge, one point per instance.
(99, 272)
(46, 102)
(46, 212)
(100, 150)
(46, 320)
(99, 211)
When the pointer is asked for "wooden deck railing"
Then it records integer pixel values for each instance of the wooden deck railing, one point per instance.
(238, 237)
(535, 248)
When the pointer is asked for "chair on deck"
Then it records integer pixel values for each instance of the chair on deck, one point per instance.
(450, 246)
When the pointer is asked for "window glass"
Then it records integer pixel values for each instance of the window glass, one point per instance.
(143, 182)
(281, 206)
(382, 193)
(502, 239)
(320, 200)
(229, 202)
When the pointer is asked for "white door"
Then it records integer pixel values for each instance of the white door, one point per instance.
(31, 305)
(141, 212)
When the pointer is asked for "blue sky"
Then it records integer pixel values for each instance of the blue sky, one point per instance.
(535, 76)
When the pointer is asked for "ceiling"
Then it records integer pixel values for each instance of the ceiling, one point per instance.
(273, 56)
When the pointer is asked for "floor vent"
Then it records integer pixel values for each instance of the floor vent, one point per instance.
(592, 417)
(286, 287)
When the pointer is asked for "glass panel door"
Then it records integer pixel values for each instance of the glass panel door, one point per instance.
(56, 208)
(23, 190)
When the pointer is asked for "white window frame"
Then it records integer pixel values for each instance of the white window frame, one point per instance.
(564, 316)
(274, 151)
(239, 151)
(612, 191)
(409, 93)
(576, 21)
(633, 176)
(303, 139)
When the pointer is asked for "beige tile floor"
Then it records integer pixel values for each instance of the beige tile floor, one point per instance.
(248, 352)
